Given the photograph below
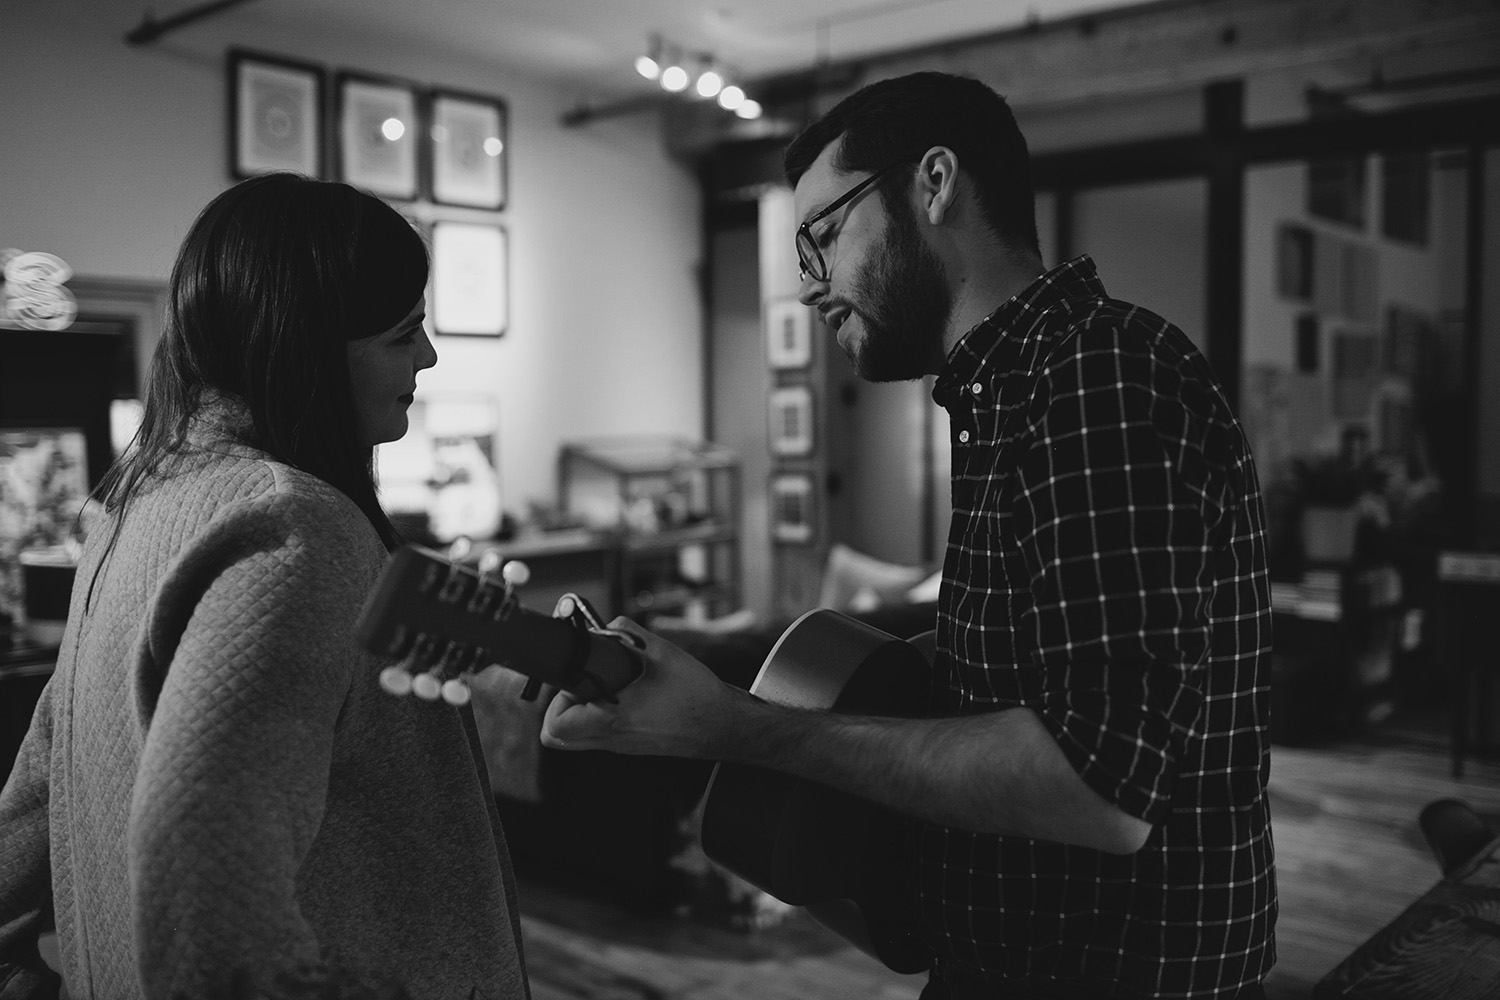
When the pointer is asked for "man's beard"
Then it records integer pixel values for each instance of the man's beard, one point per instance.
(908, 302)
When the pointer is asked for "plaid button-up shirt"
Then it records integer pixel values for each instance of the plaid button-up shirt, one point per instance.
(1106, 568)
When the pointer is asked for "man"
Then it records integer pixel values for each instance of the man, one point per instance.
(1091, 782)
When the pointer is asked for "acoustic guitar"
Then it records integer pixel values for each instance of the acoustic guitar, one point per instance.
(846, 860)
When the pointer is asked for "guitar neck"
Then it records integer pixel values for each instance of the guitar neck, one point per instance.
(445, 620)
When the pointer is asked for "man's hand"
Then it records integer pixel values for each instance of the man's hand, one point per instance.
(677, 707)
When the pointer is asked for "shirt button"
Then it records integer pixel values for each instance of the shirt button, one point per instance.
(976, 388)
(963, 437)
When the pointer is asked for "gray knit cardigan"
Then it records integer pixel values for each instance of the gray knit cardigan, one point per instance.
(214, 784)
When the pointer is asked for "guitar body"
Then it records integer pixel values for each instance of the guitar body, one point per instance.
(847, 860)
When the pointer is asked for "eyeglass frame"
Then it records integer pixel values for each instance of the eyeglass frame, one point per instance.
(804, 231)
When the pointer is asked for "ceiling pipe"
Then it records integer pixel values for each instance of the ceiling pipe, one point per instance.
(150, 29)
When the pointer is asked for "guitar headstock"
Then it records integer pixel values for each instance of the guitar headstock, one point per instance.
(445, 620)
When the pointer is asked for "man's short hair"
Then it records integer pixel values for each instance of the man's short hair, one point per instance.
(905, 116)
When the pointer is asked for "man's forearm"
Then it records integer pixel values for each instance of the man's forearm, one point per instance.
(999, 772)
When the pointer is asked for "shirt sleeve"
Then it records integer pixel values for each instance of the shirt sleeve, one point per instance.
(1116, 518)
(25, 864)
(253, 633)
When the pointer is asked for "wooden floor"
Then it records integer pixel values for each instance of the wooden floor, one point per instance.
(1348, 851)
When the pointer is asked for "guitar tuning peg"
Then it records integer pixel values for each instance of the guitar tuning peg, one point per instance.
(459, 548)
(455, 692)
(398, 678)
(515, 573)
(427, 686)
(395, 680)
(489, 562)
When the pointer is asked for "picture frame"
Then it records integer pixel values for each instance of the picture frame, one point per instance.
(379, 121)
(44, 483)
(1294, 262)
(791, 415)
(1406, 336)
(1406, 196)
(470, 279)
(1354, 357)
(469, 145)
(1336, 187)
(792, 508)
(788, 335)
(276, 119)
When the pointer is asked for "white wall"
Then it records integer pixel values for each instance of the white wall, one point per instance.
(1149, 242)
(108, 151)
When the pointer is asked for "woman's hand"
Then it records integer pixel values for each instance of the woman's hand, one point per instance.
(677, 707)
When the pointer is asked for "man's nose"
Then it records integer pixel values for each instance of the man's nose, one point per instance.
(811, 291)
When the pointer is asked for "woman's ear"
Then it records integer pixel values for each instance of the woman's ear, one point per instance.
(937, 183)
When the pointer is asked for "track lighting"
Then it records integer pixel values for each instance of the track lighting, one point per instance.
(648, 64)
(731, 97)
(668, 64)
(710, 82)
(674, 78)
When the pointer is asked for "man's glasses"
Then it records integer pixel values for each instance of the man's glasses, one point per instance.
(810, 261)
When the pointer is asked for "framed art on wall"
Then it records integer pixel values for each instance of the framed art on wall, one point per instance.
(1294, 262)
(791, 507)
(275, 115)
(377, 135)
(788, 334)
(468, 145)
(469, 279)
(792, 420)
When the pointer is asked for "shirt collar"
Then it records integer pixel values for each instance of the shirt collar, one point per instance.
(1007, 337)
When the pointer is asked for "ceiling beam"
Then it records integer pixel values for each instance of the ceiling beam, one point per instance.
(1157, 47)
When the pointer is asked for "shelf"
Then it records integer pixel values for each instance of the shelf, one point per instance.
(672, 506)
(650, 456)
(676, 538)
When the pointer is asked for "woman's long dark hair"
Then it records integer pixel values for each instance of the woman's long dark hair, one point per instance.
(263, 295)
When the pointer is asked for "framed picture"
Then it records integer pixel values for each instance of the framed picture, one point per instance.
(1405, 195)
(1355, 362)
(1294, 262)
(468, 145)
(275, 115)
(788, 334)
(1306, 336)
(792, 421)
(44, 483)
(377, 139)
(791, 508)
(1336, 189)
(1407, 334)
(470, 296)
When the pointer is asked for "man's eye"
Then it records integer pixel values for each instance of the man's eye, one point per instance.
(824, 236)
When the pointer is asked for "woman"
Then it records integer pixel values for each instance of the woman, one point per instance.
(214, 790)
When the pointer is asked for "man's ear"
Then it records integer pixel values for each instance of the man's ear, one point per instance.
(937, 183)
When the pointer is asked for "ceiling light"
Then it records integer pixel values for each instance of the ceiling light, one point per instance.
(649, 63)
(731, 97)
(392, 129)
(748, 109)
(674, 78)
(709, 83)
